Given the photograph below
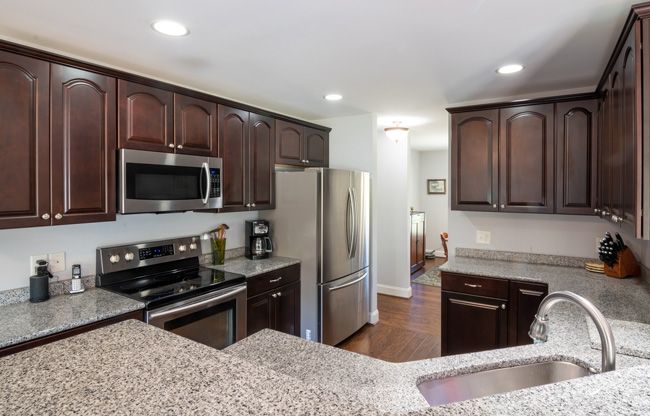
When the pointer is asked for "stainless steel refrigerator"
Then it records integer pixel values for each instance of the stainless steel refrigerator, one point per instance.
(322, 218)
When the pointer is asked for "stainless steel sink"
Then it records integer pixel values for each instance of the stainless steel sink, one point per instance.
(502, 380)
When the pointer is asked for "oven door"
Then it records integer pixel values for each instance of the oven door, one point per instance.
(216, 319)
(164, 182)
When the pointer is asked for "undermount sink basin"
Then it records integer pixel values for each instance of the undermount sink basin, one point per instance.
(502, 380)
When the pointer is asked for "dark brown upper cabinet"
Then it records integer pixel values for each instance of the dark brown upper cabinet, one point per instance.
(246, 145)
(146, 117)
(298, 145)
(83, 120)
(474, 160)
(195, 126)
(576, 157)
(24, 141)
(526, 159)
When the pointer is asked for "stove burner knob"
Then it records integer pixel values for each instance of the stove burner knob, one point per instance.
(192, 246)
(129, 256)
(182, 248)
(114, 258)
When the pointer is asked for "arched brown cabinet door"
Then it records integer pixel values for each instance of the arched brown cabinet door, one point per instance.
(474, 161)
(145, 117)
(195, 124)
(262, 161)
(83, 108)
(233, 128)
(289, 143)
(576, 157)
(316, 148)
(24, 142)
(526, 159)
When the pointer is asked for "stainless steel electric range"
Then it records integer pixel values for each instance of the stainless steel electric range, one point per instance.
(181, 296)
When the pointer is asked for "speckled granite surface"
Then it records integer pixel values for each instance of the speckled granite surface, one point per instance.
(24, 321)
(531, 258)
(250, 268)
(131, 368)
(631, 338)
(59, 287)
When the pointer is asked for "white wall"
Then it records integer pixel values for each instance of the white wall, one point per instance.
(413, 169)
(80, 241)
(434, 165)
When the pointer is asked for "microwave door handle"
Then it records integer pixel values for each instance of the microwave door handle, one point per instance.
(206, 195)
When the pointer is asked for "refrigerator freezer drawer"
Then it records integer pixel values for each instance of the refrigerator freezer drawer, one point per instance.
(344, 306)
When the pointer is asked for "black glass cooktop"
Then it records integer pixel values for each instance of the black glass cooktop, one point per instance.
(169, 286)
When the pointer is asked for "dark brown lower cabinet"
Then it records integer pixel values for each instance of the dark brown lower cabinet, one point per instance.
(482, 313)
(274, 301)
(417, 241)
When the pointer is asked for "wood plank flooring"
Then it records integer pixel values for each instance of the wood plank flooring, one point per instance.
(408, 329)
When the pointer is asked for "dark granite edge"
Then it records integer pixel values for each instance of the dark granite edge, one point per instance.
(520, 257)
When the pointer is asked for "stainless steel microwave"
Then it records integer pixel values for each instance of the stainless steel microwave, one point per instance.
(168, 182)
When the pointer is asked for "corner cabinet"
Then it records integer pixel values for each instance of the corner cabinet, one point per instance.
(483, 313)
(274, 301)
(417, 241)
(297, 145)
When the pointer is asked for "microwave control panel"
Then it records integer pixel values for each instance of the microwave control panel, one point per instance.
(215, 183)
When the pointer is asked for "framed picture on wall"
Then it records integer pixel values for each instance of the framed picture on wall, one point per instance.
(436, 186)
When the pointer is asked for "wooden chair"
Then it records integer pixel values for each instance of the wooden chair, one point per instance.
(444, 237)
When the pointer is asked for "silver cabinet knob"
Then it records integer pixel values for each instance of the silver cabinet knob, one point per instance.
(279, 294)
(253, 204)
(45, 216)
(596, 211)
(248, 205)
(180, 146)
(129, 256)
(503, 206)
(275, 295)
(494, 205)
(171, 145)
(58, 216)
(307, 161)
(503, 306)
(114, 258)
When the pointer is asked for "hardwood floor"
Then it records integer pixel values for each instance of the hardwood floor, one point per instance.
(408, 329)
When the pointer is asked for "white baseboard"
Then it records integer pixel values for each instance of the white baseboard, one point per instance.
(394, 291)
(374, 317)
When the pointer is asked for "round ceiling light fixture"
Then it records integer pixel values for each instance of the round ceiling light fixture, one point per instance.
(333, 97)
(510, 69)
(396, 132)
(169, 28)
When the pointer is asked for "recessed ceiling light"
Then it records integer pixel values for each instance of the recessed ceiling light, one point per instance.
(510, 69)
(333, 97)
(169, 28)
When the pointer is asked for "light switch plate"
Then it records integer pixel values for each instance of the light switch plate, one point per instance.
(32, 262)
(483, 237)
(57, 262)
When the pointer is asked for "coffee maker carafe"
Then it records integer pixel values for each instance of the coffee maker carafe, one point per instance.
(258, 242)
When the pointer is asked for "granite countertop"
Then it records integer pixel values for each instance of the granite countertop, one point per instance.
(20, 322)
(250, 268)
(135, 368)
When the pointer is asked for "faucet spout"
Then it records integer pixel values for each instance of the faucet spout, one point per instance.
(539, 328)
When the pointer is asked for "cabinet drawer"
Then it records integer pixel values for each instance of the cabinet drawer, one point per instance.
(475, 285)
(272, 280)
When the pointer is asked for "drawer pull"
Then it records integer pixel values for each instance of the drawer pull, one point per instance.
(473, 286)
(275, 280)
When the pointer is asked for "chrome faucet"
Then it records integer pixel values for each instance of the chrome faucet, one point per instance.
(539, 328)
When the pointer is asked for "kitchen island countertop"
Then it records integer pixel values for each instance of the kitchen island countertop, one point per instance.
(251, 268)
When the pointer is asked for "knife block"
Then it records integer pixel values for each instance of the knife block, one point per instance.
(625, 266)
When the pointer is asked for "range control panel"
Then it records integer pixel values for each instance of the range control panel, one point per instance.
(155, 252)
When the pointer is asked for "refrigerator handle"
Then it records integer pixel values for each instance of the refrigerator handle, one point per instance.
(354, 282)
(355, 232)
(349, 223)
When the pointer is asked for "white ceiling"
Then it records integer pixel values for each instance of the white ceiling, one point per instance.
(389, 57)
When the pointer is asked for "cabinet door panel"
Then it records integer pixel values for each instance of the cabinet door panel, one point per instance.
(616, 141)
(576, 157)
(233, 131)
(260, 313)
(83, 109)
(526, 159)
(24, 141)
(316, 148)
(288, 143)
(524, 302)
(474, 161)
(145, 117)
(287, 314)
(262, 160)
(472, 323)
(195, 124)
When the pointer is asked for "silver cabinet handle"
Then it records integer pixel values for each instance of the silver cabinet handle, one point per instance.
(473, 285)
(180, 146)
(275, 280)
(171, 145)
(355, 281)
(58, 216)
(45, 216)
(503, 306)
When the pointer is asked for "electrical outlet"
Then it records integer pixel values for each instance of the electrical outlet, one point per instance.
(308, 334)
(32, 262)
(483, 237)
(57, 262)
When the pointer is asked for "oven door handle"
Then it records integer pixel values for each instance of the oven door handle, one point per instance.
(206, 169)
(197, 305)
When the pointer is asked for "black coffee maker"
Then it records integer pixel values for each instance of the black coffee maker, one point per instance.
(258, 242)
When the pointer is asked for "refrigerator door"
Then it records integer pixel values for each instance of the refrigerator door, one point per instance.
(345, 223)
(344, 307)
